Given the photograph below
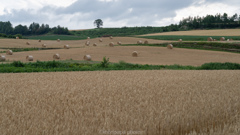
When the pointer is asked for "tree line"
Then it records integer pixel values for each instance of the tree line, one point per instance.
(205, 22)
(217, 21)
(33, 29)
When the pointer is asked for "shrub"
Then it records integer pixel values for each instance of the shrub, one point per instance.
(218, 66)
(18, 64)
(105, 62)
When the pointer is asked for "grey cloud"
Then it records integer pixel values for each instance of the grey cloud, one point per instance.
(143, 12)
(21, 16)
(118, 8)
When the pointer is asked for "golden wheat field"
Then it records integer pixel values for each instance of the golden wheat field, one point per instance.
(219, 32)
(147, 54)
(120, 102)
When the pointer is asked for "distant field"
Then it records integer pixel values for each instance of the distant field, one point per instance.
(21, 43)
(219, 32)
(188, 38)
(55, 37)
(144, 102)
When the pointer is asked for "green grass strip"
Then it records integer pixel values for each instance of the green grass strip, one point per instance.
(58, 66)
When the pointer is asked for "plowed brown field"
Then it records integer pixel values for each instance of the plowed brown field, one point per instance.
(120, 102)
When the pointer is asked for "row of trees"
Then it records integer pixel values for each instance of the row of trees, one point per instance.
(33, 29)
(206, 22)
(210, 22)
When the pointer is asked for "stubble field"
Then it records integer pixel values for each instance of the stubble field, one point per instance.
(147, 102)
(218, 32)
(21, 43)
(147, 54)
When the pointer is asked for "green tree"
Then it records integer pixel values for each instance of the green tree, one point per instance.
(20, 29)
(98, 23)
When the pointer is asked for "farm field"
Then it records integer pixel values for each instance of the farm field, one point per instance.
(21, 43)
(144, 102)
(147, 55)
(218, 32)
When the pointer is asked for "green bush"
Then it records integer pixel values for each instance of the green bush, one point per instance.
(220, 66)
(18, 64)
(105, 62)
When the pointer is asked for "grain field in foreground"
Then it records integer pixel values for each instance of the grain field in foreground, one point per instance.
(114, 102)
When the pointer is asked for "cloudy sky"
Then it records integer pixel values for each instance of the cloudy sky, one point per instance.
(80, 14)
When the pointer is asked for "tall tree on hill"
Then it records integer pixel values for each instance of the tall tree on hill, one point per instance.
(98, 23)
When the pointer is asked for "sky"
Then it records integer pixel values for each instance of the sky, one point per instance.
(80, 14)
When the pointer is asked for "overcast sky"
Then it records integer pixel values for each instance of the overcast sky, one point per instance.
(80, 14)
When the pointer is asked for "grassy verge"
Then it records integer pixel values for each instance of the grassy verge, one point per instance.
(57, 66)
(188, 38)
(26, 49)
(213, 46)
(55, 37)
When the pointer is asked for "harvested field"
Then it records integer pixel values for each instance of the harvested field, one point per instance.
(1, 50)
(144, 102)
(21, 43)
(219, 32)
(147, 55)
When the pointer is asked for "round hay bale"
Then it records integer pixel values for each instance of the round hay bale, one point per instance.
(139, 42)
(95, 44)
(111, 44)
(27, 43)
(119, 43)
(214, 39)
(210, 39)
(111, 37)
(56, 56)
(58, 40)
(180, 40)
(9, 52)
(17, 37)
(228, 39)
(134, 53)
(29, 58)
(88, 37)
(44, 45)
(87, 57)
(222, 39)
(2, 58)
(39, 40)
(170, 46)
(145, 42)
(66, 46)
(100, 40)
(87, 43)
